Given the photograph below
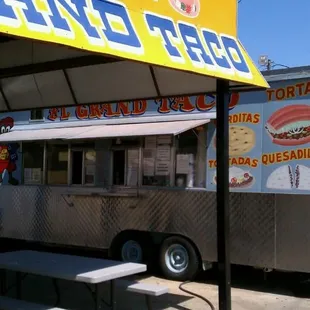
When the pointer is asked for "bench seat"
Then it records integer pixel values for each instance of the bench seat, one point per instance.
(143, 288)
(7, 303)
(148, 290)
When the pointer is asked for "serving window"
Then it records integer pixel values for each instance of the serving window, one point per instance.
(57, 164)
(126, 162)
(190, 163)
(83, 166)
(162, 160)
(157, 160)
(33, 162)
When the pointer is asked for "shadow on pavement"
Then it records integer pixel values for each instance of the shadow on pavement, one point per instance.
(248, 278)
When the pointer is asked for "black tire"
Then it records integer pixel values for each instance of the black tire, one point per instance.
(186, 271)
(142, 242)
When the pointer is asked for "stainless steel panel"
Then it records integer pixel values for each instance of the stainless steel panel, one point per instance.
(253, 229)
(293, 232)
(55, 215)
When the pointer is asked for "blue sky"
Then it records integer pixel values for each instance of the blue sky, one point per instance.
(276, 28)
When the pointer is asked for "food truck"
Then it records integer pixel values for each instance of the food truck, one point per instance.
(89, 159)
(134, 176)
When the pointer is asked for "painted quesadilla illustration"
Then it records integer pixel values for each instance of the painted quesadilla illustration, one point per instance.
(302, 177)
(281, 178)
(290, 125)
(238, 178)
(285, 178)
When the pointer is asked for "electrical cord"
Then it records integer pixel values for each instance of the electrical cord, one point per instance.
(196, 295)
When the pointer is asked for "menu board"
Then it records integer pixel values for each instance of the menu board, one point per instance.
(164, 139)
(182, 164)
(148, 162)
(132, 167)
(245, 149)
(163, 157)
(162, 167)
(286, 147)
(150, 142)
(157, 160)
(163, 153)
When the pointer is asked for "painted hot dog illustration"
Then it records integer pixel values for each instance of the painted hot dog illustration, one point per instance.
(290, 125)
(188, 8)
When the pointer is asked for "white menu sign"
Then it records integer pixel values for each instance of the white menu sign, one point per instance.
(163, 152)
(162, 167)
(150, 142)
(182, 164)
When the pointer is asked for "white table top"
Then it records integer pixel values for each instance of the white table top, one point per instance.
(68, 267)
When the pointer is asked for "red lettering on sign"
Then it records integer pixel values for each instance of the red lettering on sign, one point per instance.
(280, 93)
(269, 94)
(234, 100)
(201, 104)
(290, 92)
(279, 157)
(163, 106)
(122, 108)
(81, 112)
(64, 114)
(52, 114)
(95, 111)
(139, 107)
(182, 104)
(106, 110)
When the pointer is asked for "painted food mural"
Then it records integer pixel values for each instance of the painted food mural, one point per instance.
(286, 178)
(189, 8)
(241, 140)
(245, 138)
(238, 178)
(286, 152)
(290, 125)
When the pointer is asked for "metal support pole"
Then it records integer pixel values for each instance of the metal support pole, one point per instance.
(223, 216)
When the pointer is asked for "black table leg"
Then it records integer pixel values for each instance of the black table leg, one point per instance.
(55, 283)
(18, 285)
(3, 284)
(98, 297)
(148, 302)
(112, 295)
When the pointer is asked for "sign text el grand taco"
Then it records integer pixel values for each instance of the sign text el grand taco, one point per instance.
(110, 26)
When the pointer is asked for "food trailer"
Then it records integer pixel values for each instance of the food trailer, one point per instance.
(136, 177)
(104, 132)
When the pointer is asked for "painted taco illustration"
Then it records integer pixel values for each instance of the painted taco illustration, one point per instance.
(290, 125)
(286, 178)
(189, 8)
(238, 178)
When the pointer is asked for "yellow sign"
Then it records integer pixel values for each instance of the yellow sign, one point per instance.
(192, 35)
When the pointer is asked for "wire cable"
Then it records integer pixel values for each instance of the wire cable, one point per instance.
(196, 295)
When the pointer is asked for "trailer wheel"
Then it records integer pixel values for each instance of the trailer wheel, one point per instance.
(131, 251)
(179, 259)
(132, 248)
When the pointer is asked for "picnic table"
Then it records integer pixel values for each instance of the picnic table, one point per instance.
(91, 271)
